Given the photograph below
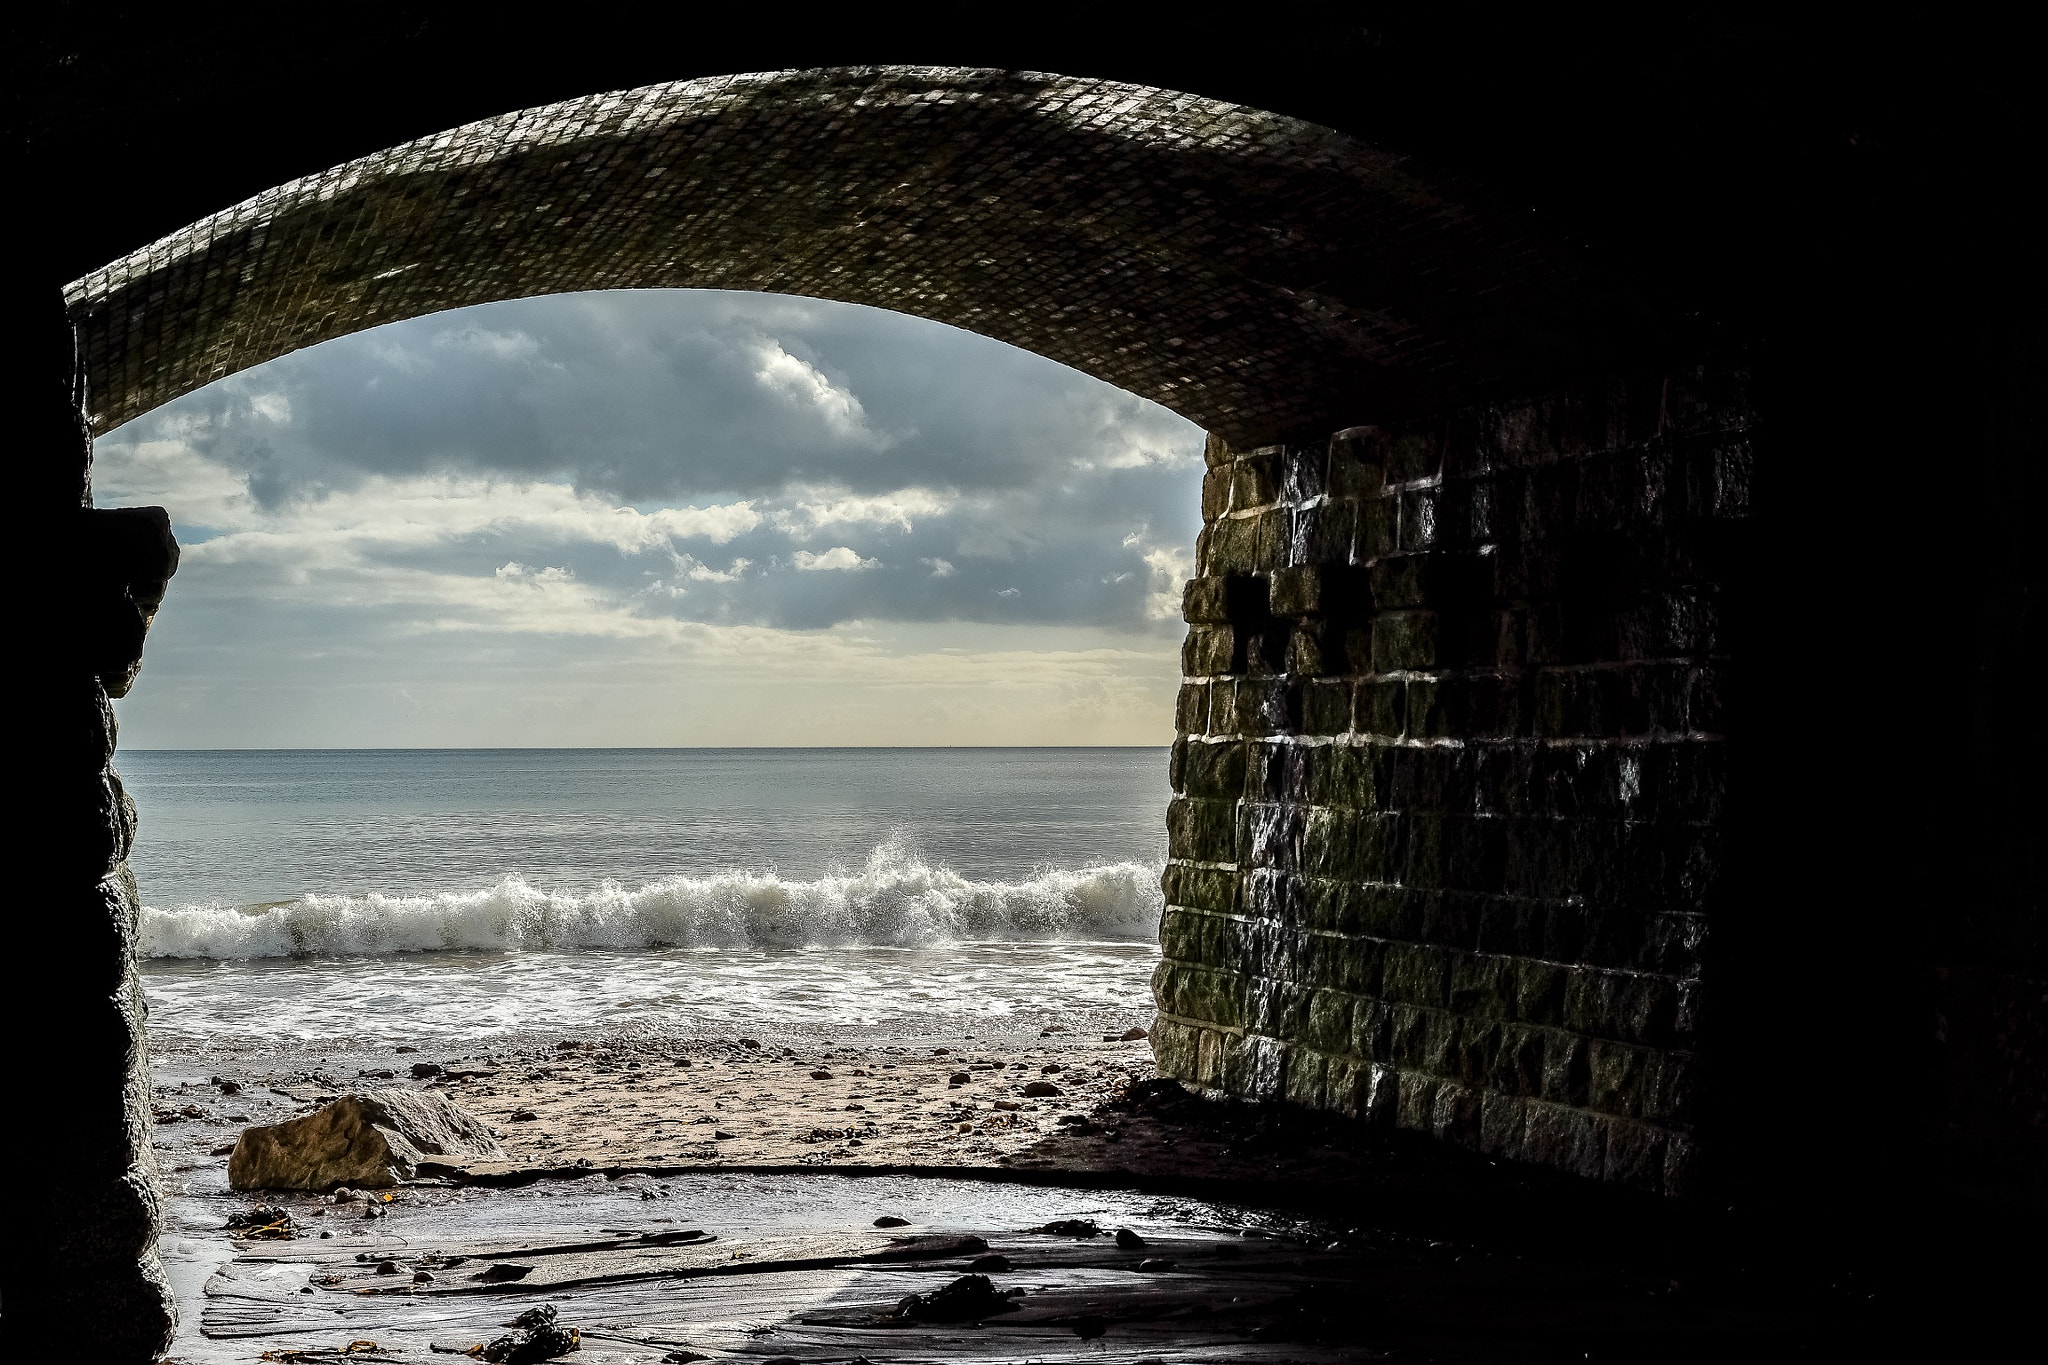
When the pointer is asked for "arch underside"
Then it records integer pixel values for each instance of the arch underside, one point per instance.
(1259, 275)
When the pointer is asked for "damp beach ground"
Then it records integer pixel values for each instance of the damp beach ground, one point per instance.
(701, 1196)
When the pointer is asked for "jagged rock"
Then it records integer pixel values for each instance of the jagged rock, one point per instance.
(967, 1299)
(371, 1141)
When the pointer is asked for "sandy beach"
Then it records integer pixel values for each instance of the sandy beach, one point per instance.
(742, 1102)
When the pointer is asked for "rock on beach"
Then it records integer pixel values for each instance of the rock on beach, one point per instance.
(373, 1141)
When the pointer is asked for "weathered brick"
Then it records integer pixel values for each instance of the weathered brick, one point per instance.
(1200, 888)
(1414, 453)
(1207, 651)
(1202, 830)
(1255, 478)
(1403, 640)
(1357, 467)
(1219, 599)
(1213, 769)
(1486, 921)
(1326, 708)
(1568, 1139)
(1215, 493)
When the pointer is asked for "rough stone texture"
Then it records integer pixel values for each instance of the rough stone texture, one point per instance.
(88, 1210)
(370, 1141)
(1448, 787)
(1258, 274)
(84, 1211)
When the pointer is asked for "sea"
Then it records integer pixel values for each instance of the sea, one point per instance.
(373, 898)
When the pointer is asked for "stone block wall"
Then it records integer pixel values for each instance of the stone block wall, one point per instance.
(1445, 838)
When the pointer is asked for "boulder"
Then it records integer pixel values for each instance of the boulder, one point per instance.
(371, 1141)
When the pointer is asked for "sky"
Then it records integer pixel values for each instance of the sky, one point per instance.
(661, 517)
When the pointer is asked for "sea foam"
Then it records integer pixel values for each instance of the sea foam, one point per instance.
(896, 900)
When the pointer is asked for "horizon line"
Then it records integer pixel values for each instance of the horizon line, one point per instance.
(571, 748)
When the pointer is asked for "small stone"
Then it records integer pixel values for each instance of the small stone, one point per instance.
(1010, 1105)
(1133, 1035)
(1156, 1263)
(958, 1078)
(821, 1075)
(407, 1048)
(890, 1220)
(1042, 1089)
(750, 1042)
(1050, 1068)
(994, 1263)
(387, 1268)
(1127, 1240)
(523, 1116)
(226, 1086)
(265, 1220)
(720, 1135)
(1071, 1227)
(422, 1070)
(427, 1276)
(504, 1272)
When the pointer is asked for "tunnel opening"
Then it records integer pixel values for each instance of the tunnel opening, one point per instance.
(1453, 775)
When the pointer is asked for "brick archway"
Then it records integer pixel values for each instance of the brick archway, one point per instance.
(1455, 828)
(1410, 877)
(1260, 275)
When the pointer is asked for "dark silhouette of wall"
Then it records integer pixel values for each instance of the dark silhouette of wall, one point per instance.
(1828, 209)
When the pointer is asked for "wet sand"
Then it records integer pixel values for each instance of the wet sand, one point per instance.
(706, 1103)
(1393, 1243)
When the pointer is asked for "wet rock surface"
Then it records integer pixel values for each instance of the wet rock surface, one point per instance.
(373, 1140)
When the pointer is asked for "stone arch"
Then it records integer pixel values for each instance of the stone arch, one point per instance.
(1258, 274)
(1381, 899)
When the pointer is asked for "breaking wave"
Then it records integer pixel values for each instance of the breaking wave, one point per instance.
(895, 900)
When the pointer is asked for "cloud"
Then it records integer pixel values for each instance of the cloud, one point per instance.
(671, 474)
(804, 386)
(838, 557)
(813, 510)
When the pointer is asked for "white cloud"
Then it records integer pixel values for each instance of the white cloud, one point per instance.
(272, 407)
(804, 386)
(704, 573)
(1008, 592)
(941, 568)
(817, 508)
(440, 509)
(838, 557)
(1171, 567)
